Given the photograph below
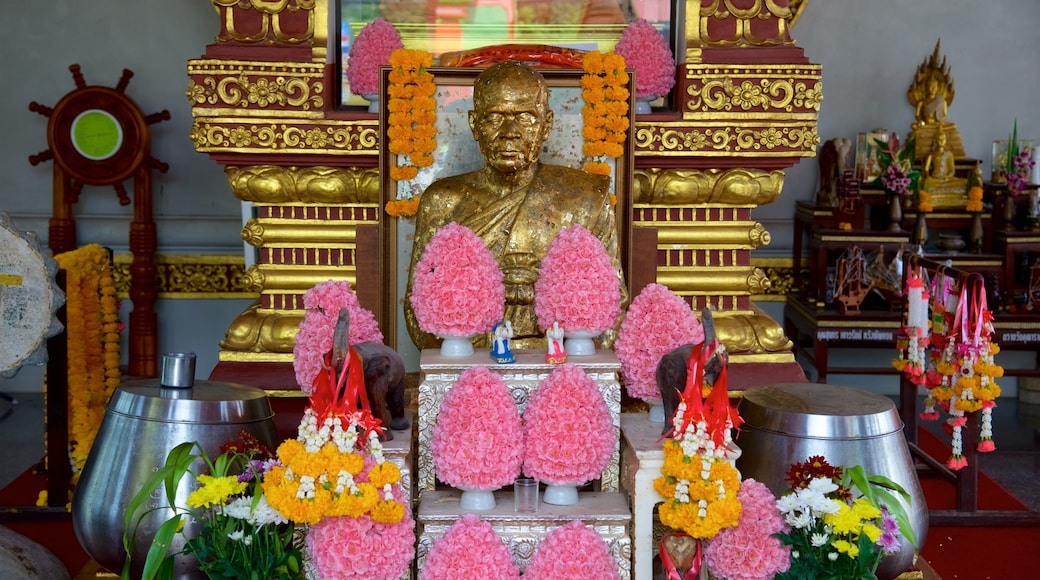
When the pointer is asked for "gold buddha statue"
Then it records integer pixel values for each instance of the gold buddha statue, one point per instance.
(515, 203)
(938, 176)
(931, 94)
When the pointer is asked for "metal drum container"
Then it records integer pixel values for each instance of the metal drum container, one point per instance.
(144, 420)
(789, 422)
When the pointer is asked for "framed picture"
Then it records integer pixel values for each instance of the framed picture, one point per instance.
(868, 168)
(457, 152)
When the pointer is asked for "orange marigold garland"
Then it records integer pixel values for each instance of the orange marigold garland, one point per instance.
(412, 122)
(699, 480)
(92, 330)
(604, 88)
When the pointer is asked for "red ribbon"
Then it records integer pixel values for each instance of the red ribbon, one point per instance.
(349, 397)
(671, 572)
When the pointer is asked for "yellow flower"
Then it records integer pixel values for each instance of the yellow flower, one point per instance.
(215, 491)
(388, 512)
(384, 473)
(846, 547)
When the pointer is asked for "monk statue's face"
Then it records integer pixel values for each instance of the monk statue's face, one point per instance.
(511, 118)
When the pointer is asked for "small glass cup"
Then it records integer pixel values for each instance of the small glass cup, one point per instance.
(525, 495)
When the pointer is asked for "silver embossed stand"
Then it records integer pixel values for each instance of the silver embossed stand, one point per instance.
(641, 459)
(605, 512)
(401, 452)
(439, 374)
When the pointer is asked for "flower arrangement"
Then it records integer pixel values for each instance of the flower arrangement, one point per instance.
(403, 207)
(658, 321)
(963, 379)
(750, 550)
(335, 470)
(371, 49)
(647, 52)
(974, 203)
(322, 303)
(1017, 164)
(924, 202)
(604, 88)
(412, 123)
(569, 433)
(836, 533)
(578, 285)
(469, 549)
(477, 440)
(92, 328)
(699, 479)
(362, 548)
(898, 176)
(241, 534)
(572, 551)
(457, 287)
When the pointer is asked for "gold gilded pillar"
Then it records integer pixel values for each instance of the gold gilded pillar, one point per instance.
(747, 108)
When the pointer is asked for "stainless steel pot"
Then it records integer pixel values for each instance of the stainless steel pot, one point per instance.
(143, 421)
(789, 422)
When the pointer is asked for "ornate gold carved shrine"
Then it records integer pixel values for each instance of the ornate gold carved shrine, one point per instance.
(744, 108)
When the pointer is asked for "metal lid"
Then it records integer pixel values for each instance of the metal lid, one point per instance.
(208, 402)
(816, 411)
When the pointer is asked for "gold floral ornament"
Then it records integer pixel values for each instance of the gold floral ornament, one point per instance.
(604, 88)
(92, 329)
(412, 123)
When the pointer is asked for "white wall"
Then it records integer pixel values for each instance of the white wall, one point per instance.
(869, 51)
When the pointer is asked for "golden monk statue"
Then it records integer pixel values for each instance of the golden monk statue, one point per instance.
(515, 203)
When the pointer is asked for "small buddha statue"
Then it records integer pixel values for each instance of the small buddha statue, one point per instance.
(939, 170)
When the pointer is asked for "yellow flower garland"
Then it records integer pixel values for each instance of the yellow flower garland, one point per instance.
(604, 88)
(412, 122)
(92, 331)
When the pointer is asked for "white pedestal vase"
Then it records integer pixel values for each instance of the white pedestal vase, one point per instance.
(477, 499)
(642, 106)
(456, 346)
(373, 102)
(560, 494)
(579, 342)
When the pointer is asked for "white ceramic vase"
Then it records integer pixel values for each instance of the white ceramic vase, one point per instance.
(642, 106)
(373, 102)
(560, 494)
(456, 346)
(477, 499)
(579, 342)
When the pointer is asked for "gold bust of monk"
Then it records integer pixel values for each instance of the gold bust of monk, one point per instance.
(515, 203)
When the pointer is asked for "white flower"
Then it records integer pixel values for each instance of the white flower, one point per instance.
(819, 540)
(833, 556)
(823, 485)
(236, 535)
(799, 520)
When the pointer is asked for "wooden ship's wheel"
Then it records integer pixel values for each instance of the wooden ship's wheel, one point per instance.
(98, 136)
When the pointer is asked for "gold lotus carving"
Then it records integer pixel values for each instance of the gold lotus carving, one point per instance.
(320, 184)
(691, 186)
(776, 139)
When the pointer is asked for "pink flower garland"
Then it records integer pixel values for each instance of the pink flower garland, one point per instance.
(469, 549)
(350, 548)
(577, 284)
(477, 440)
(749, 551)
(457, 287)
(568, 429)
(658, 321)
(371, 49)
(314, 339)
(572, 551)
(647, 52)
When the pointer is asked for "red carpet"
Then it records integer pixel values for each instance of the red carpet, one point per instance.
(965, 552)
(998, 553)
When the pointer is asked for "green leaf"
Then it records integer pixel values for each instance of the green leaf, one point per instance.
(159, 548)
